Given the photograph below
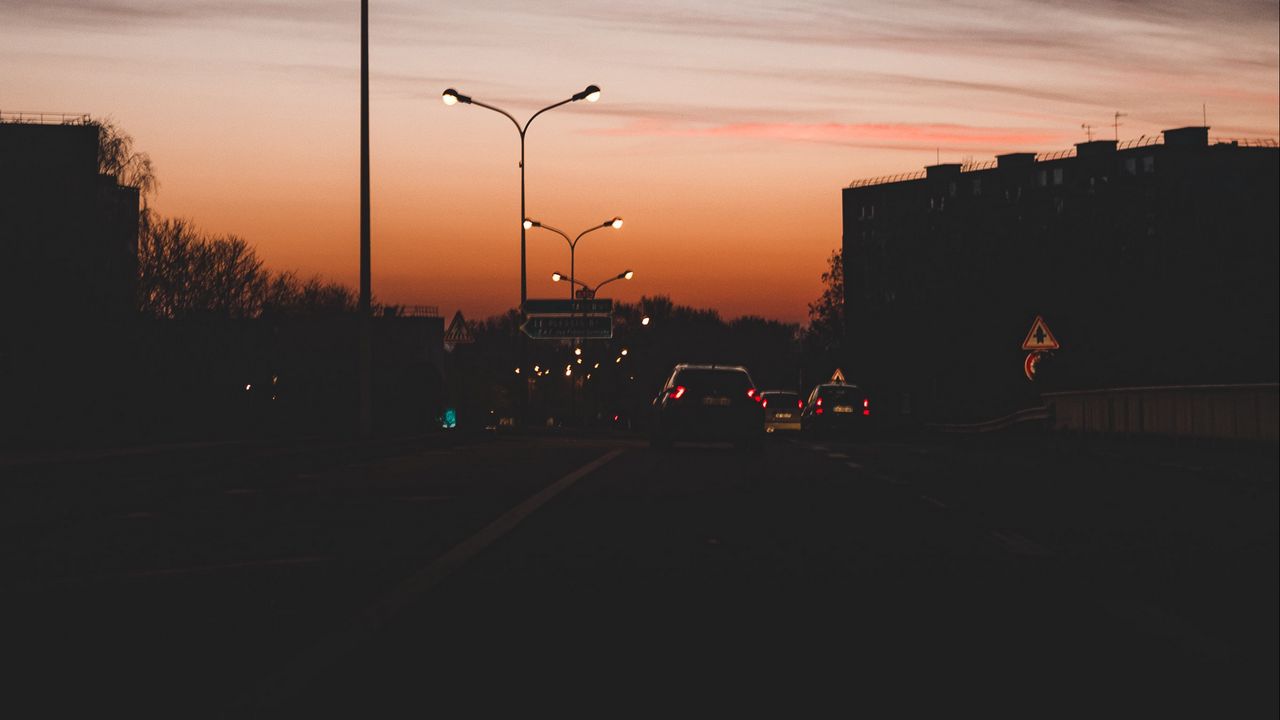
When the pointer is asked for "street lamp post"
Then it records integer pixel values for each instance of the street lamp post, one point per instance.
(587, 292)
(615, 223)
(590, 93)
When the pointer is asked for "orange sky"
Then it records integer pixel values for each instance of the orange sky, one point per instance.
(723, 136)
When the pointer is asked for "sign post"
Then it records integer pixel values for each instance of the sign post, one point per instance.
(1039, 340)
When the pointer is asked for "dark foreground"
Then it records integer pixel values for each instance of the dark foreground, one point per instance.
(1015, 574)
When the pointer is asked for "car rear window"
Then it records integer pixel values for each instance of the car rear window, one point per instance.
(849, 395)
(782, 397)
(718, 381)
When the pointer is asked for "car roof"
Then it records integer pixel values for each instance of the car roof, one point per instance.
(779, 392)
(691, 366)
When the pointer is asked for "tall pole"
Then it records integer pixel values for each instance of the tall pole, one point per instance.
(366, 359)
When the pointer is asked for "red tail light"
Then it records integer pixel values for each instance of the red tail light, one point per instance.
(818, 411)
(866, 406)
(819, 403)
(764, 402)
(799, 404)
(676, 392)
(751, 392)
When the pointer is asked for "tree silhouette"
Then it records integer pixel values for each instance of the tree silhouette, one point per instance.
(826, 314)
(117, 157)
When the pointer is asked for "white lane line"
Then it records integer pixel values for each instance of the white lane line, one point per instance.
(854, 465)
(381, 612)
(837, 456)
(1019, 545)
(933, 501)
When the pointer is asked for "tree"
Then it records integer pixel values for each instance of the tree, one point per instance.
(826, 329)
(182, 273)
(117, 157)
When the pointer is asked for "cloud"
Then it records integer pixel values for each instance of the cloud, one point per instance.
(913, 136)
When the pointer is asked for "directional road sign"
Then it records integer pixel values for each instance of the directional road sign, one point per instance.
(603, 306)
(560, 327)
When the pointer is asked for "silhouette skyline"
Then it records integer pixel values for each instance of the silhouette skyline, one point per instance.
(722, 131)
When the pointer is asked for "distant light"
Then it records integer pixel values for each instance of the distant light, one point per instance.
(644, 320)
(517, 371)
(556, 277)
(616, 223)
(536, 368)
(579, 361)
(449, 419)
(248, 387)
(596, 366)
(528, 224)
(618, 359)
(449, 99)
(577, 351)
(624, 351)
(568, 371)
(628, 275)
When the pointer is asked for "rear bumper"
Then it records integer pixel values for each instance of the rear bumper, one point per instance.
(782, 426)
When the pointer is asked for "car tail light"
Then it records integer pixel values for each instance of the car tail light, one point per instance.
(819, 403)
(764, 402)
(676, 392)
(799, 404)
(866, 406)
(751, 392)
(818, 411)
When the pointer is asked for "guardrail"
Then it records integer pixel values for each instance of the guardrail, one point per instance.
(1035, 414)
(44, 118)
(1235, 412)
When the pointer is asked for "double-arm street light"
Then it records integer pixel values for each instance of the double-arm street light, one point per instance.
(587, 291)
(615, 223)
(590, 93)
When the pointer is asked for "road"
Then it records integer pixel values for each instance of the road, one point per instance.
(975, 573)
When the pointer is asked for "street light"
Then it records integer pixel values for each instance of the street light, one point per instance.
(590, 93)
(587, 291)
(615, 223)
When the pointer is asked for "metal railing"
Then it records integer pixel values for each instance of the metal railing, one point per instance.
(44, 118)
(406, 311)
(1140, 141)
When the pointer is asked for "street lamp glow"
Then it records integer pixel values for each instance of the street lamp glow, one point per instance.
(644, 320)
(615, 223)
(624, 351)
(590, 93)
(628, 275)
(453, 97)
(556, 277)
(527, 224)
(577, 351)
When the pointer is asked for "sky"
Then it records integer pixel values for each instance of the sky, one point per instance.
(723, 136)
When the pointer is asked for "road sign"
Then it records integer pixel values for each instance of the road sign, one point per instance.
(1029, 365)
(603, 306)
(560, 327)
(1039, 338)
(837, 376)
(458, 332)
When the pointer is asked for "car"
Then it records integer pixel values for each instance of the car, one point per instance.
(782, 410)
(708, 402)
(835, 408)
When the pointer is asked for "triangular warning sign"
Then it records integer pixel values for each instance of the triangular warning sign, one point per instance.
(458, 331)
(1039, 338)
(837, 376)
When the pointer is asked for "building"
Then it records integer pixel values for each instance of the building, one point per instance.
(68, 277)
(1153, 261)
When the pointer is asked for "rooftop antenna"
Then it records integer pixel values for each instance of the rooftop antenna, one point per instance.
(1204, 115)
(1088, 130)
(1116, 123)
(937, 156)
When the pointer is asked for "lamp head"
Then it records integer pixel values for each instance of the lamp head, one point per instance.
(556, 277)
(453, 97)
(627, 275)
(529, 224)
(590, 93)
(615, 223)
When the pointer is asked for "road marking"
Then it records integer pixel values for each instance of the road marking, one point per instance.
(381, 612)
(933, 501)
(1019, 545)
(837, 456)
(426, 498)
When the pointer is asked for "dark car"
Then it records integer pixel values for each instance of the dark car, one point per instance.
(781, 411)
(708, 402)
(836, 408)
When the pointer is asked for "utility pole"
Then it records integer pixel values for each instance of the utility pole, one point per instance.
(366, 353)
(1116, 124)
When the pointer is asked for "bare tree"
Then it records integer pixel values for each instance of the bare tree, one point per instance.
(117, 157)
(826, 314)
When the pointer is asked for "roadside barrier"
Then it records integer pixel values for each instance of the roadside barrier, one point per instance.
(1233, 412)
(1035, 414)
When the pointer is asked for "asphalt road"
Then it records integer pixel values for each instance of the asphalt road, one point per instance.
(1026, 574)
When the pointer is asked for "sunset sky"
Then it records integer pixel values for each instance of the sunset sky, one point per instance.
(723, 136)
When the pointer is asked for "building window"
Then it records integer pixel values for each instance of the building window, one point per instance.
(1044, 178)
(1057, 176)
(1149, 164)
(1131, 166)
(977, 186)
(872, 215)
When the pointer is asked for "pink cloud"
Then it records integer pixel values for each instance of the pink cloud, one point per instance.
(877, 134)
